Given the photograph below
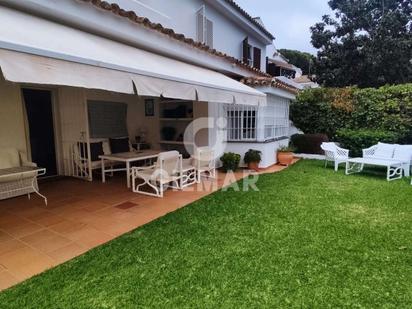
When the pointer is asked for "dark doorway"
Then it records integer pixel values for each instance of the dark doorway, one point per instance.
(40, 118)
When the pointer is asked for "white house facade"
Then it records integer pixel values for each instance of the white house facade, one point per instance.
(81, 71)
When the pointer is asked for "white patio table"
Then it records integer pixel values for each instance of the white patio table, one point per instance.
(393, 167)
(27, 177)
(127, 158)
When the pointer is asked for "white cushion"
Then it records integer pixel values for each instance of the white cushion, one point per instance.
(105, 144)
(384, 151)
(9, 157)
(403, 153)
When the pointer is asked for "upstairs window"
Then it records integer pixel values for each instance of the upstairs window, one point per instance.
(247, 52)
(204, 28)
(256, 57)
(251, 55)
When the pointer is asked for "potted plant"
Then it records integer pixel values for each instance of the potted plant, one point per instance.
(230, 161)
(285, 155)
(252, 159)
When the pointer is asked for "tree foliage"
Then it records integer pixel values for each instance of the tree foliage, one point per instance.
(367, 43)
(300, 59)
(327, 110)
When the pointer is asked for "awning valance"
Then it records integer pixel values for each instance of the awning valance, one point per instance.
(35, 50)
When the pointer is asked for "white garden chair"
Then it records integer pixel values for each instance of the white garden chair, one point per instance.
(203, 162)
(166, 173)
(335, 154)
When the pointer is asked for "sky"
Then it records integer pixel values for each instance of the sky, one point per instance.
(288, 20)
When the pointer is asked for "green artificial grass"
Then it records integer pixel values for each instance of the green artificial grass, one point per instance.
(310, 238)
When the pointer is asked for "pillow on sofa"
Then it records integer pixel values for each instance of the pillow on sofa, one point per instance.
(403, 153)
(118, 145)
(96, 149)
(9, 157)
(384, 151)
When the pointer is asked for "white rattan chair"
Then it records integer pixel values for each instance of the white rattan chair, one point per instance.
(166, 173)
(335, 154)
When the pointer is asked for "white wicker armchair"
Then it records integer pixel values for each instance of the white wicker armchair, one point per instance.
(335, 154)
(16, 184)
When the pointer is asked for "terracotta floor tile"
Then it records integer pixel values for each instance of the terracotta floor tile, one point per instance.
(90, 237)
(67, 227)
(7, 280)
(10, 246)
(79, 215)
(113, 227)
(93, 206)
(46, 219)
(4, 237)
(67, 252)
(20, 227)
(7, 217)
(46, 241)
(25, 262)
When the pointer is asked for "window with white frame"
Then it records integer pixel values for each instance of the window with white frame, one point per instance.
(276, 118)
(241, 122)
(204, 27)
(253, 123)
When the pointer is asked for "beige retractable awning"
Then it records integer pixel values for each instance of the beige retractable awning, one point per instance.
(25, 68)
(35, 50)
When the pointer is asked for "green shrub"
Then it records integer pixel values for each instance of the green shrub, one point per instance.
(356, 140)
(308, 143)
(252, 156)
(327, 110)
(230, 161)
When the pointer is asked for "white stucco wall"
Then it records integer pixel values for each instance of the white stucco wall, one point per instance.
(12, 123)
(269, 150)
(181, 16)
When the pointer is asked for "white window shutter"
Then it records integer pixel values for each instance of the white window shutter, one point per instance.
(209, 33)
(201, 24)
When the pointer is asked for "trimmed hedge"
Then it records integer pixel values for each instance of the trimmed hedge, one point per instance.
(308, 143)
(327, 110)
(356, 140)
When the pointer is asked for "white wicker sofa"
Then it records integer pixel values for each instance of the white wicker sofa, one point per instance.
(394, 152)
(16, 184)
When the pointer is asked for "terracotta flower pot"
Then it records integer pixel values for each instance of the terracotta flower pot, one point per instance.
(253, 166)
(285, 158)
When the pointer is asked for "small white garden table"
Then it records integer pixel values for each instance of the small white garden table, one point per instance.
(127, 158)
(393, 167)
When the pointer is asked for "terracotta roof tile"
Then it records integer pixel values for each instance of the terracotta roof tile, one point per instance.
(269, 82)
(132, 16)
(250, 18)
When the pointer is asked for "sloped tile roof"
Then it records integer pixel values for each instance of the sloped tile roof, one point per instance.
(269, 82)
(250, 18)
(144, 21)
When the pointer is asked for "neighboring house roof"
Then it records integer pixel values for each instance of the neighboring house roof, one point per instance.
(274, 82)
(306, 82)
(282, 64)
(302, 79)
(144, 21)
(256, 21)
